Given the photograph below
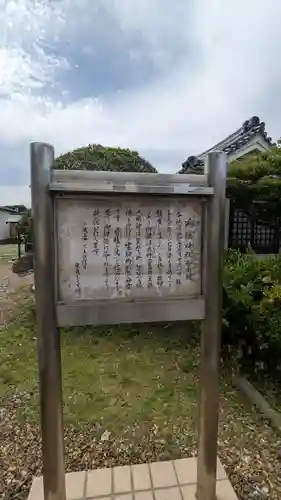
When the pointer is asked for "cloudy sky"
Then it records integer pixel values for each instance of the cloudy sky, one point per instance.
(166, 78)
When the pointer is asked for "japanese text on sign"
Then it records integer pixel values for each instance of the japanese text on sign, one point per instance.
(127, 249)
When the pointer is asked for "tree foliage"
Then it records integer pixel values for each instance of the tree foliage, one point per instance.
(257, 179)
(25, 226)
(97, 157)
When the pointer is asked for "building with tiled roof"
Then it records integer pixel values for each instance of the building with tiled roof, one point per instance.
(251, 137)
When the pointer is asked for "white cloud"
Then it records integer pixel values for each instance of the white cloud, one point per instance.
(27, 24)
(20, 72)
(15, 195)
(229, 68)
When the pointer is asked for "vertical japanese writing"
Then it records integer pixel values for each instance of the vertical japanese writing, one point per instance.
(149, 251)
(84, 259)
(160, 265)
(128, 250)
(179, 247)
(96, 231)
(77, 276)
(117, 242)
(169, 254)
(139, 264)
(106, 239)
(133, 248)
(190, 229)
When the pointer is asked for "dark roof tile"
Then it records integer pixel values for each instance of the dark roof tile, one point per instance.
(233, 142)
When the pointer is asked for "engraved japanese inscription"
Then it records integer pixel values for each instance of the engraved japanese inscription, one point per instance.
(128, 248)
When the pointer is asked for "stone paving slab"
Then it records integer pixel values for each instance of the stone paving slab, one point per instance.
(172, 480)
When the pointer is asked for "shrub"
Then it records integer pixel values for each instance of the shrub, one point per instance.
(252, 310)
(97, 157)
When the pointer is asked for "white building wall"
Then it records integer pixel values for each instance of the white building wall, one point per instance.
(257, 143)
(4, 228)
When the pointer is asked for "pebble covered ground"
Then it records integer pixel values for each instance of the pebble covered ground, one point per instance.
(248, 448)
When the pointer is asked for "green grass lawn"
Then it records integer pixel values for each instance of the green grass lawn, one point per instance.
(7, 252)
(113, 375)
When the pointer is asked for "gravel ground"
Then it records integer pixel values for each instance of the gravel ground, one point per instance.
(250, 450)
(248, 447)
(10, 283)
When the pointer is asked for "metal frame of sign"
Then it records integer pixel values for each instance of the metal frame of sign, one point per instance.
(47, 187)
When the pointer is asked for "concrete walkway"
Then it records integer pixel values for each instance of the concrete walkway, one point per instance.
(175, 480)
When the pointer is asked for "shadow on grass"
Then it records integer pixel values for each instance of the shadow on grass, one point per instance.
(115, 376)
(127, 374)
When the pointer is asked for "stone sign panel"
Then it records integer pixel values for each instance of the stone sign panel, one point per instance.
(128, 247)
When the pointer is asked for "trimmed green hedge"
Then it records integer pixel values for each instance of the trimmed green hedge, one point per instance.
(97, 157)
(252, 310)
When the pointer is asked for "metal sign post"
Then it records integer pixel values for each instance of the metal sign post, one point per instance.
(211, 329)
(116, 248)
(48, 341)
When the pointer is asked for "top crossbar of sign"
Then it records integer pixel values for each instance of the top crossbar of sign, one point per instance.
(85, 181)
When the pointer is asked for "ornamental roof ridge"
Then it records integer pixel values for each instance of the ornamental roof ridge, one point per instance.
(231, 143)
